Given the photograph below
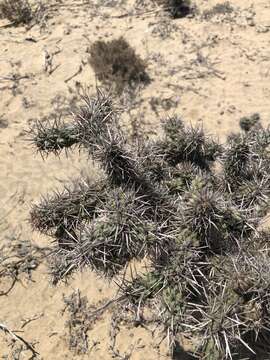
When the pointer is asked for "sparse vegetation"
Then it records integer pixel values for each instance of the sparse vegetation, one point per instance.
(219, 9)
(248, 122)
(176, 8)
(166, 200)
(16, 11)
(18, 258)
(116, 63)
(79, 322)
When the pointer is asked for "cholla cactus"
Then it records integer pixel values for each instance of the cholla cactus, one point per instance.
(69, 208)
(188, 144)
(208, 269)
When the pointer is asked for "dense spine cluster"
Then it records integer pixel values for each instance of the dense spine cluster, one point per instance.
(166, 200)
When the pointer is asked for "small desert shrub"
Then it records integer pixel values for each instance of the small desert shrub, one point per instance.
(16, 11)
(116, 63)
(79, 322)
(219, 9)
(197, 223)
(248, 122)
(176, 8)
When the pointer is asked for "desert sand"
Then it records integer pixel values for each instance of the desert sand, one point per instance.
(210, 71)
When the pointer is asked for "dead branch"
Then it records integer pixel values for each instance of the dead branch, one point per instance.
(16, 337)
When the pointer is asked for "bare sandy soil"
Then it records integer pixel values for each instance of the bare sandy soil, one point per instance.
(211, 71)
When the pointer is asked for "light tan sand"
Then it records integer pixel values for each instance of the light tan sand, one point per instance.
(214, 71)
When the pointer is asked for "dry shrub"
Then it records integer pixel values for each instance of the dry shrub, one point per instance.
(219, 9)
(19, 258)
(79, 322)
(16, 11)
(248, 122)
(176, 8)
(116, 63)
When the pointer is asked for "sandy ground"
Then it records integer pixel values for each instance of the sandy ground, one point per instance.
(209, 71)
